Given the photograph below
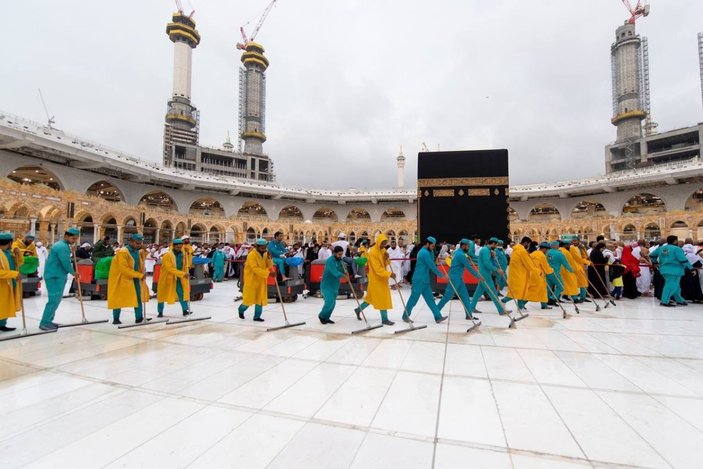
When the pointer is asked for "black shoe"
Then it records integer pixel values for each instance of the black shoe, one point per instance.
(357, 311)
(160, 315)
(388, 323)
(241, 315)
(546, 307)
(470, 318)
(258, 320)
(682, 304)
(49, 327)
(329, 321)
(7, 329)
(475, 311)
(442, 318)
(187, 313)
(586, 300)
(552, 303)
(116, 321)
(667, 305)
(141, 320)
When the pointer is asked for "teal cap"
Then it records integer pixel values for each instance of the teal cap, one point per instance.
(73, 231)
(464, 241)
(178, 241)
(545, 245)
(500, 242)
(431, 239)
(555, 243)
(494, 240)
(29, 236)
(261, 242)
(136, 237)
(6, 236)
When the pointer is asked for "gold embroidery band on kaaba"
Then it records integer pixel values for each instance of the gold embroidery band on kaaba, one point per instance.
(453, 182)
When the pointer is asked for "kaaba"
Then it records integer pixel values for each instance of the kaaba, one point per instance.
(462, 193)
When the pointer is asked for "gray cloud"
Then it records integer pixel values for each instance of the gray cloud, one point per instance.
(352, 80)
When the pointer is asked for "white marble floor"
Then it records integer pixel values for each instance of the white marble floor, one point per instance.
(622, 387)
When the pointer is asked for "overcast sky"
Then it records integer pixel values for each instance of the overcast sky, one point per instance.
(352, 80)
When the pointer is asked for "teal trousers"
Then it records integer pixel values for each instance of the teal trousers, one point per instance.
(54, 288)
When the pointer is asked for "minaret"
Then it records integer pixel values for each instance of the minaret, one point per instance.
(628, 105)
(401, 168)
(228, 144)
(252, 99)
(182, 117)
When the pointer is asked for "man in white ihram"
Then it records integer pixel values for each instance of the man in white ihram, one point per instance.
(342, 242)
(396, 254)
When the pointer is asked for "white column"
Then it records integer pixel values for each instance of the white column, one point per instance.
(33, 226)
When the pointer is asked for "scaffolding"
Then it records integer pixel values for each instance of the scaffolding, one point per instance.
(242, 107)
(650, 127)
(700, 58)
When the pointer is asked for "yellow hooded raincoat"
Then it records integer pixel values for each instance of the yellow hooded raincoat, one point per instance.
(379, 291)
(256, 272)
(538, 290)
(578, 262)
(571, 285)
(170, 275)
(523, 274)
(10, 297)
(120, 282)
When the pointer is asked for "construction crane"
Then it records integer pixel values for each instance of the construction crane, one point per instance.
(246, 40)
(639, 11)
(179, 5)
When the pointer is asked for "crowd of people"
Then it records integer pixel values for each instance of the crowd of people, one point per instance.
(546, 273)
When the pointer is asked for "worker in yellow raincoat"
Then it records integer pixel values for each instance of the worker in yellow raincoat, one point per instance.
(126, 287)
(257, 269)
(187, 253)
(174, 281)
(378, 294)
(538, 290)
(568, 278)
(524, 277)
(579, 262)
(25, 246)
(10, 287)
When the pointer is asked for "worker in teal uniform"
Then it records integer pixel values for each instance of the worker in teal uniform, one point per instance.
(486, 270)
(460, 263)
(421, 281)
(502, 259)
(277, 249)
(556, 260)
(58, 267)
(672, 265)
(218, 265)
(335, 270)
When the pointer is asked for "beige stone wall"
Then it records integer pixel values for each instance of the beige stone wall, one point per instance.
(52, 211)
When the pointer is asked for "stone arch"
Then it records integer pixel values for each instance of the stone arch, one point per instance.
(20, 211)
(390, 234)
(587, 209)
(180, 230)
(544, 212)
(629, 232)
(250, 235)
(325, 215)
(680, 228)
(159, 200)
(392, 214)
(291, 212)
(695, 201)
(207, 207)
(49, 213)
(197, 233)
(35, 175)
(129, 227)
(644, 204)
(149, 231)
(513, 216)
(652, 232)
(108, 227)
(216, 234)
(166, 232)
(358, 214)
(251, 208)
(106, 191)
(85, 222)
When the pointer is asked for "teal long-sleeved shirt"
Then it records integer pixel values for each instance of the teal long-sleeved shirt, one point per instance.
(58, 264)
(557, 260)
(424, 265)
(460, 262)
(334, 271)
(485, 262)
